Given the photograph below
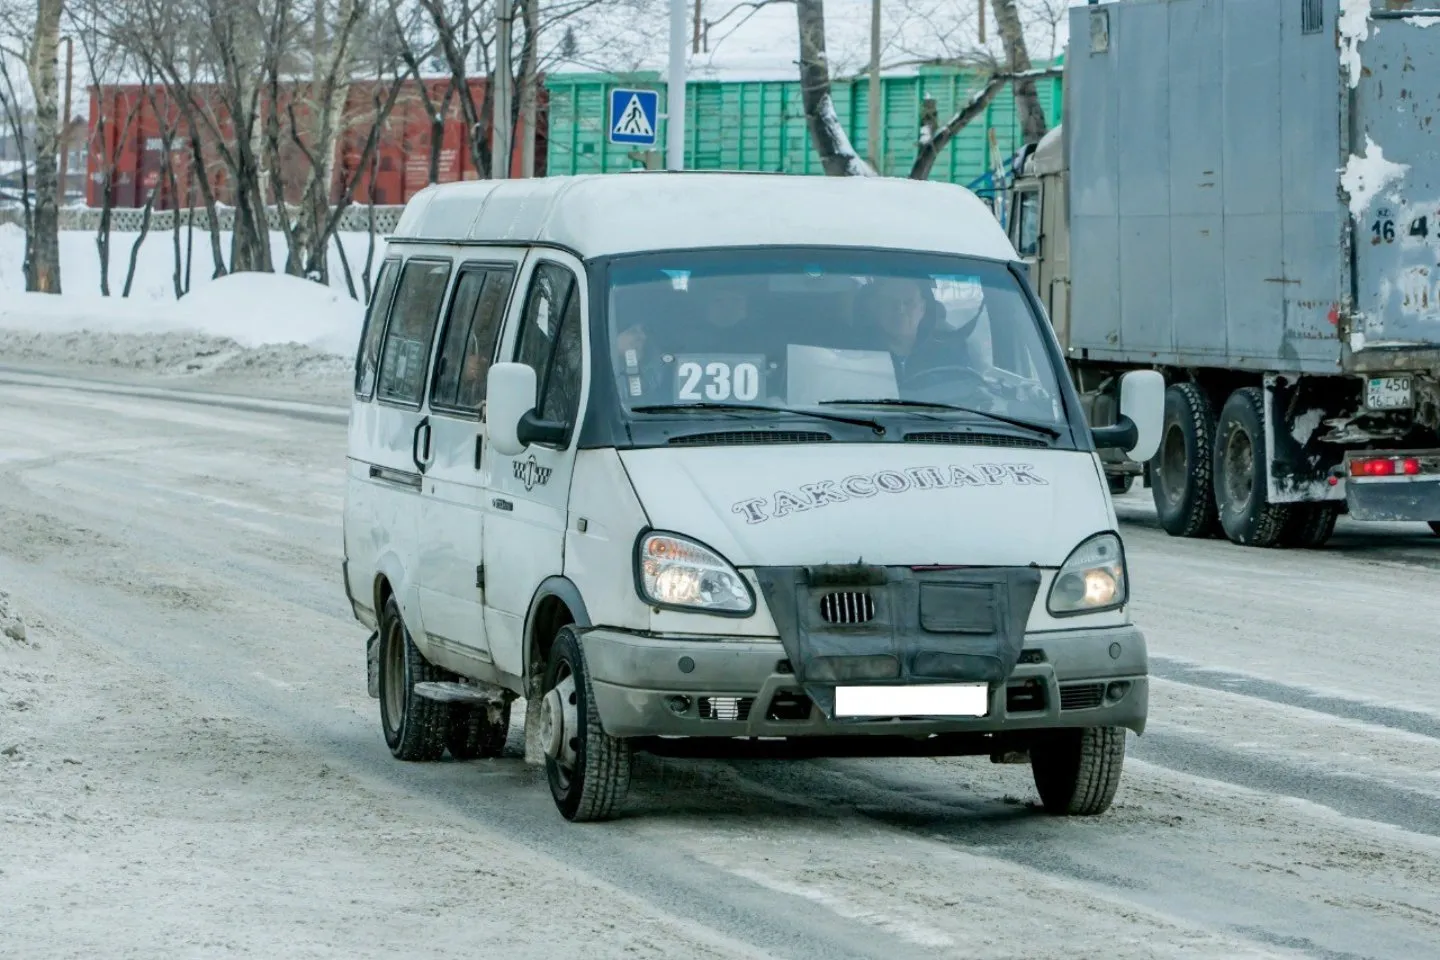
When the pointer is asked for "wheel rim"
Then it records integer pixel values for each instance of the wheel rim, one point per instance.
(1172, 466)
(560, 727)
(1239, 466)
(392, 667)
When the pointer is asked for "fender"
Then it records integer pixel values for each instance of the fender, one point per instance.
(560, 588)
(407, 597)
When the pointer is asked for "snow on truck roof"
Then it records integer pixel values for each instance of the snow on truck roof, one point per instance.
(607, 214)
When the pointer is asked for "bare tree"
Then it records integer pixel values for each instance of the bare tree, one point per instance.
(1017, 54)
(935, 138)
(44, 273)
(16, 116)
(1045, 17)
(837, 156)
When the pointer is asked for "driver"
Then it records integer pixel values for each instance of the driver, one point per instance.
(904, 314)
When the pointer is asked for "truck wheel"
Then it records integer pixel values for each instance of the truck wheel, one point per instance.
(414, 727)
(589, 771)
(1078, 771)
(1310, 525)
(1119, 486)
(1180, 474)
(471, 734)
(1241, 467)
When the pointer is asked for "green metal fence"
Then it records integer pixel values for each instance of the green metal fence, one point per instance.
(760, 125)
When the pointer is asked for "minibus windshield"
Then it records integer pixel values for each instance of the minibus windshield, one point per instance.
(846, 332)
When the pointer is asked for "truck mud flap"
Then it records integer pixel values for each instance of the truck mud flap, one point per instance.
(857, 625)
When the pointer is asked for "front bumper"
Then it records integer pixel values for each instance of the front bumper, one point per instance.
(746, 689)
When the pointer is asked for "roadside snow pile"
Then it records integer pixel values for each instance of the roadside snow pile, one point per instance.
(253, 325)
(12, 626)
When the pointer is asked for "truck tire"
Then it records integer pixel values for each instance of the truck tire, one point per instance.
(1180, 474)
(414, 727)
(1078, 771)
(1310, 525)
(1119, 486)
(472, 736)
(1241, 467)
(588, 770)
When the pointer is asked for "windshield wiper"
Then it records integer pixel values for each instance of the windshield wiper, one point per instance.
(1047, 430)
(757, 408)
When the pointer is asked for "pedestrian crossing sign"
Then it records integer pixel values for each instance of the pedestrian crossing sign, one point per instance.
(634, 116)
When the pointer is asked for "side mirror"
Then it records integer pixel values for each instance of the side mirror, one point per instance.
(511, 420)
(509, 396)
(1141, 417)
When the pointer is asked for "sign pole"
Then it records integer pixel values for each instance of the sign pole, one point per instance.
(500, 103)
(675, 96)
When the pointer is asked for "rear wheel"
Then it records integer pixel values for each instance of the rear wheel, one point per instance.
(589, 771)
(1119, 486)
(1078, 771)
(414, 727)
(473, 735)
(1180, 474)
(1242, 466)
(1310, 525)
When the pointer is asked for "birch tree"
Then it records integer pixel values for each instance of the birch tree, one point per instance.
(44, 272)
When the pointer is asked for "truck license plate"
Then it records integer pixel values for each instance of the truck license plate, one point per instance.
(1388, 393)
(921, 700)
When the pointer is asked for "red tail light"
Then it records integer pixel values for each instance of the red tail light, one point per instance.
(1385, 467)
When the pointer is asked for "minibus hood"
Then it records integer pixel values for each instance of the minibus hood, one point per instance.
(880, 503)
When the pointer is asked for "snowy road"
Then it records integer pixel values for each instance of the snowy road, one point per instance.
(190, 766)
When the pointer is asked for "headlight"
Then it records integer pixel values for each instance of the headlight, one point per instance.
(673, 571)
(1091, 579)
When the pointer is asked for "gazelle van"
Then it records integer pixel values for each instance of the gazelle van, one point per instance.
(725, 464)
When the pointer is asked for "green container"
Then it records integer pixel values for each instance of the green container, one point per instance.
(760, 125)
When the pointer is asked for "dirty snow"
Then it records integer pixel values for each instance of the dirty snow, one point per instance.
(12, 625)
(1354, 27)
(1364, 177)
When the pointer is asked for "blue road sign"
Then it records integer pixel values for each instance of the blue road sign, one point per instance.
(634, 116)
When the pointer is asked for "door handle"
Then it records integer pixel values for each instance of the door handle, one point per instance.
(500, 503)
(418, 453)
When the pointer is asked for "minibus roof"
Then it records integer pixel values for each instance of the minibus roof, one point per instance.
(610, 214)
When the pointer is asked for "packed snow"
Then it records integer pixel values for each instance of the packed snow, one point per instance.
(12, 625)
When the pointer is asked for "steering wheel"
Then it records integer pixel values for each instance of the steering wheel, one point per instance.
(968, 378)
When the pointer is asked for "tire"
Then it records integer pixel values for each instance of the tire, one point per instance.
(1078, 771)
(414, 727)
(1181, 471)
(1119, 486)
(1310, 525)
(471, 735)
(1241, 466)
(590, 777)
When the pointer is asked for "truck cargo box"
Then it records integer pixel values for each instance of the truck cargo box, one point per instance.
(1255, 185)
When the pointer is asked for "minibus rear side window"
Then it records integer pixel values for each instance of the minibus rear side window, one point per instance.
(406, 354)
(367, 357)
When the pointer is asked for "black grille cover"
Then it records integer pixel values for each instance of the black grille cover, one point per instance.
(928, 626)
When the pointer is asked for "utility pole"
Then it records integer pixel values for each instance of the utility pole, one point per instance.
(675, 94)
(64, 139)
(500, 111)
(695, 29)
(530, 93)
(874, 124)
(982, 19)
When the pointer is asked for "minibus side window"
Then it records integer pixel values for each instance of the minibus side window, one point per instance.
(549, 341)
(406, 353)
(472, 328)
(367, 357)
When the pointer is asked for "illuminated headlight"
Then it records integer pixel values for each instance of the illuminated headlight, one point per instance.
(676, 572)
(1091, 579)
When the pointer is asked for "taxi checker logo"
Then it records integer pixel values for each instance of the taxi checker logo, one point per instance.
(531, 473)
(812, 496)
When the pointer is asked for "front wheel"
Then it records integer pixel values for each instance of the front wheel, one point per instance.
(1078, 771)
(1180, 474)
(588, 770)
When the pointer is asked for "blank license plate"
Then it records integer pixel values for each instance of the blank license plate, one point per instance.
(927, 700)
(1388, 393)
